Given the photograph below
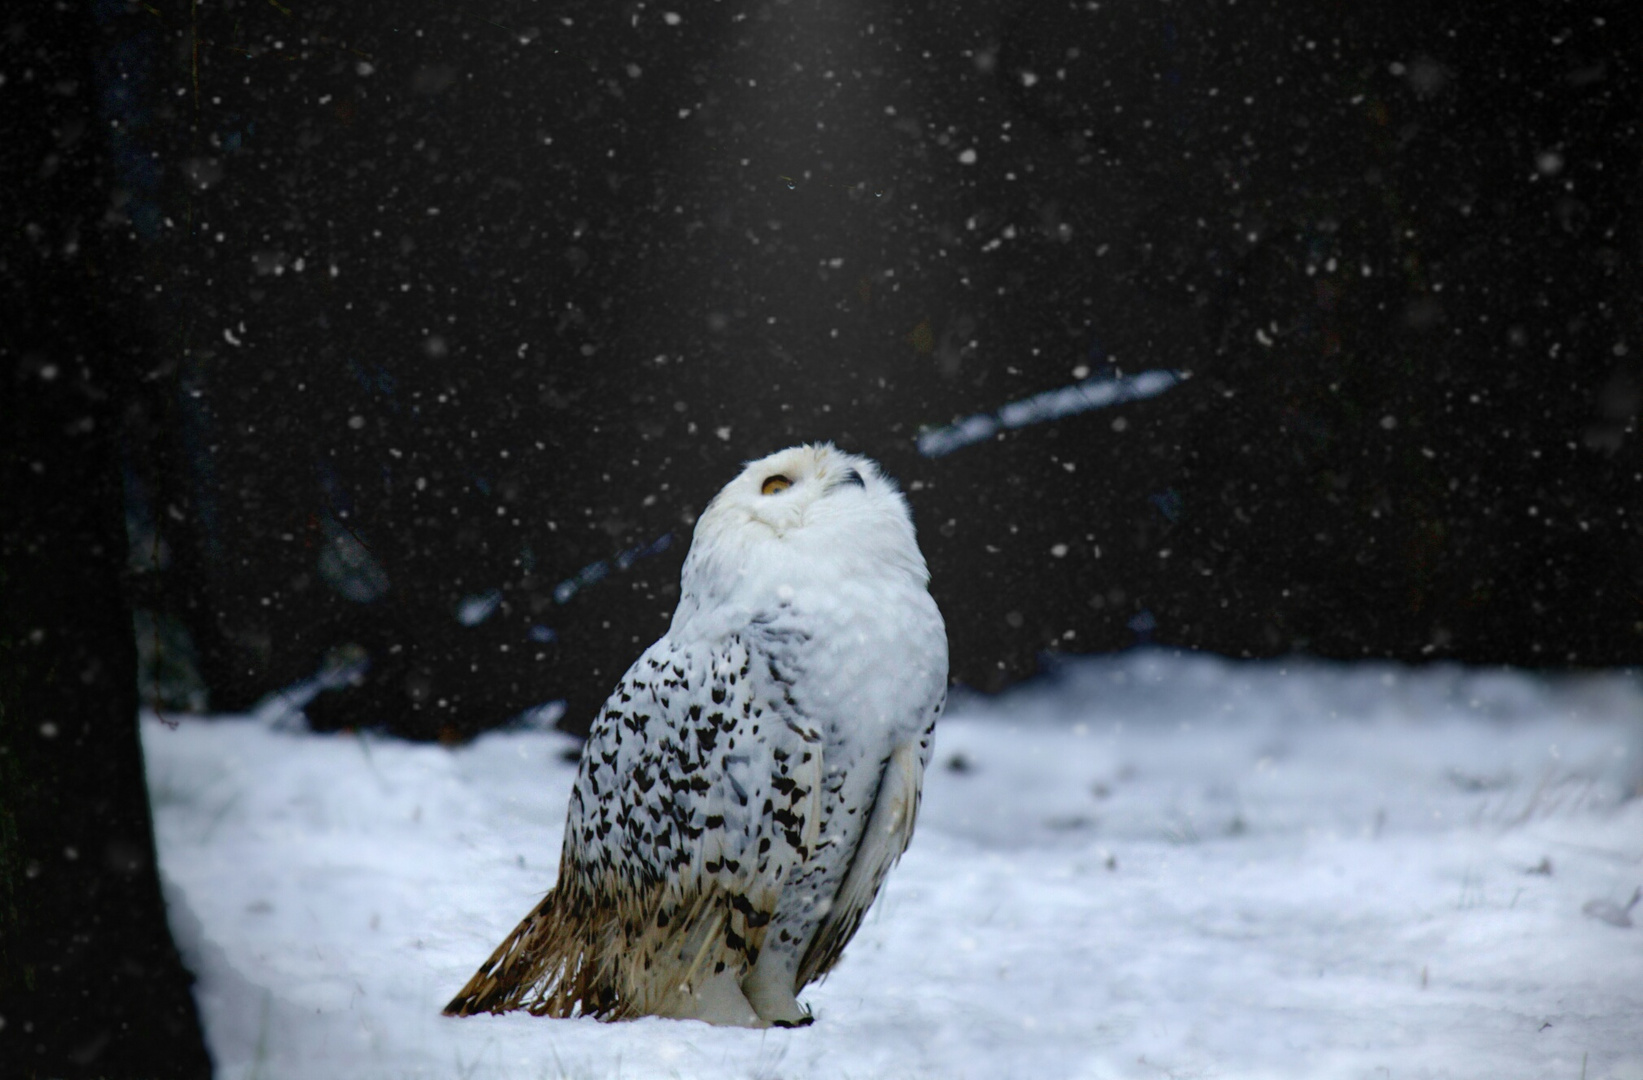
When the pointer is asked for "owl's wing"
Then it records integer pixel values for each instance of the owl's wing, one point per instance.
(762, 811)
(888, 831)
(698, 798)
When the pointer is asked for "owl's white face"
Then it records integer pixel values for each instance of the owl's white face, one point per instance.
(809, 510)
(799, 487)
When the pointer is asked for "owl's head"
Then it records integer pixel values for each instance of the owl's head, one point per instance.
(810, 504)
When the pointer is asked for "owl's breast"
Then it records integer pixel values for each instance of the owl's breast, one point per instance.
(867, 656)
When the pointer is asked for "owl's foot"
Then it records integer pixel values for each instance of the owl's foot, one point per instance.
(769, 989)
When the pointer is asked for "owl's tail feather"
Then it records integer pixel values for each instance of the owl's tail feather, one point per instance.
(557, 962)
(614, 955)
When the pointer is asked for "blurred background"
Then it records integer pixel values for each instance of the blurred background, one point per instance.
(1256, 327)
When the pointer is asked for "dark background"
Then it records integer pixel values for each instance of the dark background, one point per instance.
(482, 302)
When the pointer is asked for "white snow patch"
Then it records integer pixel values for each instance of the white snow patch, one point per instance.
(1145, 865)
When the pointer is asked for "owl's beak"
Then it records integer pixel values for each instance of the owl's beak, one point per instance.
(847, 478)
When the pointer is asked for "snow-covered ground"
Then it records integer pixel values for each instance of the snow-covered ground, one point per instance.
(1148, 865)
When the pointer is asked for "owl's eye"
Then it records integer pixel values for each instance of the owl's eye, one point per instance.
(773, 484)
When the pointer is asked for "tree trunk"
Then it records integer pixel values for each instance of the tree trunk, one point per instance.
(90, 981)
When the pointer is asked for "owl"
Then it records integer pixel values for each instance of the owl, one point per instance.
(757, 771)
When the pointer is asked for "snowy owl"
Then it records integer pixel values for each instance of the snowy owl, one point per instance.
(756, 773)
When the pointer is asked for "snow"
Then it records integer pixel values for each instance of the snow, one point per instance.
(1147, 865)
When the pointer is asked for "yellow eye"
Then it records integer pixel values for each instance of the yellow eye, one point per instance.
(773, 484)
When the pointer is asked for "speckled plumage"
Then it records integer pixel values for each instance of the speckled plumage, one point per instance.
(756, 773)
